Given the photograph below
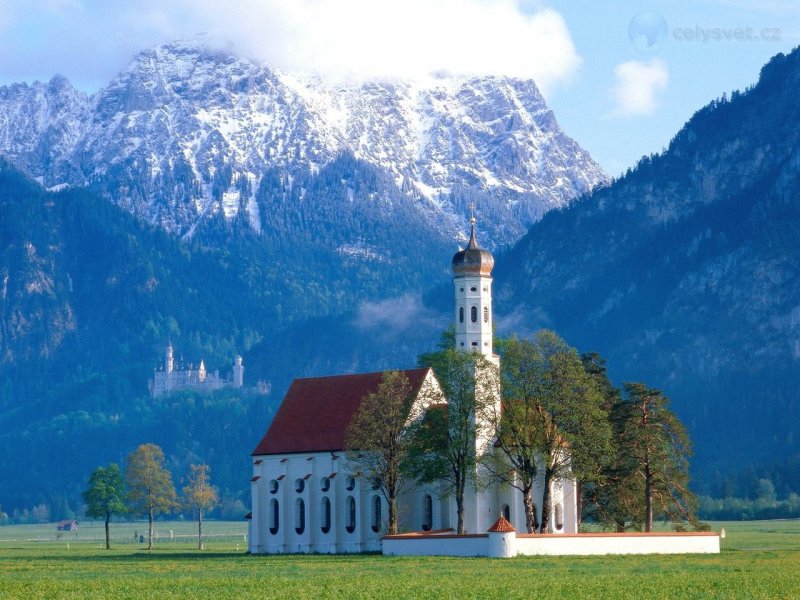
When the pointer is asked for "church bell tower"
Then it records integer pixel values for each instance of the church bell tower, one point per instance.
(472, 269)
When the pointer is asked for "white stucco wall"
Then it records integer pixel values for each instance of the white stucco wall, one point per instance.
(312, 469)
(481, 508)
(436, 545)
(623, 543)
(554, 545)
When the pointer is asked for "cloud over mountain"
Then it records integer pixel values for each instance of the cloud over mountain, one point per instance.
(88, 40)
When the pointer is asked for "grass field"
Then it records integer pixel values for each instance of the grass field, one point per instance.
(760, 560)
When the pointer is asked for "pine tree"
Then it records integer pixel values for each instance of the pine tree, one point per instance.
(655, 452)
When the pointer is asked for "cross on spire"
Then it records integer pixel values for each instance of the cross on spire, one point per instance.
(472, 213)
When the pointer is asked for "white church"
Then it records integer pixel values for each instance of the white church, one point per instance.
(304, 496)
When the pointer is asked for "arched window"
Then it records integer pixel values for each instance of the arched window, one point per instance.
(376, 513)
(427, 512)
(299, 516)
(325, 514)
(485, 314)
(559, 517)
(274, 516)
(299, 485)
(474, 314)
(273, 486)
(460, 314)
(506, 512)
(324, 484)
(350, 506)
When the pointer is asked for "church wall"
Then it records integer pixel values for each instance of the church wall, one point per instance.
(570, 501)
(286, 472)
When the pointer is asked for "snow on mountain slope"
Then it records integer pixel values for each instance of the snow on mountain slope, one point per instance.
(185, 131)
(40, 126)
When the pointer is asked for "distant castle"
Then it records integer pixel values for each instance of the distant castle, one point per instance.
(170, 377)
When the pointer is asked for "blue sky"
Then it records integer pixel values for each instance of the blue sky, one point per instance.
(618, 98)
(697, 70)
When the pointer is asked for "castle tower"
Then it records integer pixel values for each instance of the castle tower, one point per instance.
(170, 363)
(472, 269)
(238, 372)
(201, 371)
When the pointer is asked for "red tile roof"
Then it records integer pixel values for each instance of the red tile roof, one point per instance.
(316, 411)
(502, 526)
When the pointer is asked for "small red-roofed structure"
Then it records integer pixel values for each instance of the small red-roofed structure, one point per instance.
(67, 525)
(501, 526)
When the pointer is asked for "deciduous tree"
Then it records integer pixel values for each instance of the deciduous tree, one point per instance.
(199, 496)
(150, 488)
(446, 444)
(105, 496)
(552, 423)
(376, 445)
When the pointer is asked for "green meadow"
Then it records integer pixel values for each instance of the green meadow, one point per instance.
(761, 559)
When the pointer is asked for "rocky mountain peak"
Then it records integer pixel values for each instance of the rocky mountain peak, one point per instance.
(187, 131)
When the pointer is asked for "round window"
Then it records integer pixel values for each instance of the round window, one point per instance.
(299, 485)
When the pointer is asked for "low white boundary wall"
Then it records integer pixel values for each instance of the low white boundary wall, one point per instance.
(436, 545)
(506, 544)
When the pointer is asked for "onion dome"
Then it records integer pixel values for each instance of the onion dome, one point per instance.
(473, 260)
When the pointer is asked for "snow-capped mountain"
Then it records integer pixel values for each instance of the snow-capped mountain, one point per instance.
(185, 131)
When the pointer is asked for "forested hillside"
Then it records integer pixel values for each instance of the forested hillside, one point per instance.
(91, 295)
(684, 273)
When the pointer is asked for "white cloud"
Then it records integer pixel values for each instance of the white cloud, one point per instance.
(637, 85)
(522, 321)
(398, 315)
(365, 38)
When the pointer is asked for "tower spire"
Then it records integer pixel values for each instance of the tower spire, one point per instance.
(473, 242)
